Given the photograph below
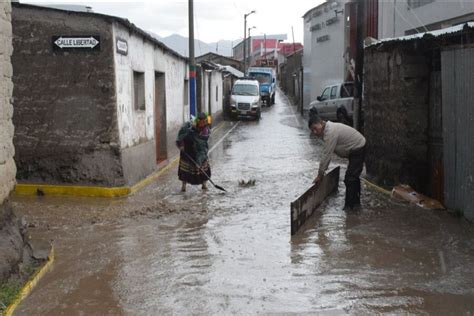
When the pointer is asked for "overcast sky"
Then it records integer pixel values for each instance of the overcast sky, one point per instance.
(214, 19)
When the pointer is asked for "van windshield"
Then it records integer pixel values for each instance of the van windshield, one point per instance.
(245, 89)
(261, 77)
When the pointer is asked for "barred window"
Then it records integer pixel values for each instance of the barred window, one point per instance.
(418, 3)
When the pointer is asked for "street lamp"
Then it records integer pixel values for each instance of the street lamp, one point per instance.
(245, 39)
(250, 41)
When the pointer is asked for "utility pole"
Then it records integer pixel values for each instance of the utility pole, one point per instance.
(250, 40)
(245, 40)
(192, 62)
(359, 69)
(293, 35)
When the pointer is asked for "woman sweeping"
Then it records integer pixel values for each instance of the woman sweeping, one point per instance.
(192, 141)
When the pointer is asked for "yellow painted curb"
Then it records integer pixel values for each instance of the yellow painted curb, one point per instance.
(95, 191)
(73, 190)
(140, 185)
(376, 187)
(28, 287)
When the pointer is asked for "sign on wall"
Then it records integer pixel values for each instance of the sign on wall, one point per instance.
(122, 46)
(86, 42)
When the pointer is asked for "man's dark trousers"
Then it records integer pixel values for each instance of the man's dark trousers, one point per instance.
(352, 178)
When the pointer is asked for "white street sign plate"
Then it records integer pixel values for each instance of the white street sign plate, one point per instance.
(76, 42)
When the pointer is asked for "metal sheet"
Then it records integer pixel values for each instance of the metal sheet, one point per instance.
(458, 129)
(305, 205)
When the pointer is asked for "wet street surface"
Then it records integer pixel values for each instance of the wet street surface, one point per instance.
(163, 252)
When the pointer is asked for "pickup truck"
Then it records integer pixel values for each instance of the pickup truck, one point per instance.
(336, 103)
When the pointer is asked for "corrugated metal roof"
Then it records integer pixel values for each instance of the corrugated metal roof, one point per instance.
(438, 33)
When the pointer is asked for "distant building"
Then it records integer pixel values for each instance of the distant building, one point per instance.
(257, 46)
(324, 47)
(285, 50)
(331, 42)
(221, 60)
(405, 17)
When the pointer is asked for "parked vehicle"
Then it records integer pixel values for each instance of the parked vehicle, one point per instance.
(266, 77)
(336, 103)
(245, 99)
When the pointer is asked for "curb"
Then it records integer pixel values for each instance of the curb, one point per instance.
(28, 287)
(376, 187)
(96, 191)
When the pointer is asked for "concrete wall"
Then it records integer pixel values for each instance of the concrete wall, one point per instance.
(395, 17)
(327, 56)
(307, 44)
(137, 127)
(396, 106)
(217, 100)
(7, 164)
(65, 101)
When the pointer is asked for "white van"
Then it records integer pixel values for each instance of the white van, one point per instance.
(245, 99)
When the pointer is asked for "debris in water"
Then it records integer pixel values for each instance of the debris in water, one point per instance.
(246, 184)
(405, 192)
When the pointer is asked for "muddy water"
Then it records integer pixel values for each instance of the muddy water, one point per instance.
(216, 253)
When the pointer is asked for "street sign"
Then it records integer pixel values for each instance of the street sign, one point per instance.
(87, 42)
(122, 46)
(306, 205)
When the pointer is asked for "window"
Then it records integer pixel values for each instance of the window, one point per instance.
(325, 94)
(245, 89)
(347, 90)
(186, 92)
(334, 92)
(418, 3)
(139, 90)
(263, 78)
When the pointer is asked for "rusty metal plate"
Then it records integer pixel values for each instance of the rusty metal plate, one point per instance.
(306, 205)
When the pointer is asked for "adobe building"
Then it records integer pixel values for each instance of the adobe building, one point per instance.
(221, 60)
(419, 114)
(98, 101)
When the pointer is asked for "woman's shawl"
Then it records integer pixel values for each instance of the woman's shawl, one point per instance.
(199, 140)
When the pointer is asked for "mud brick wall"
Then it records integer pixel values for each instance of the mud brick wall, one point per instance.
(287, 81)
(7, 164)
(396, 108)
(65, 101)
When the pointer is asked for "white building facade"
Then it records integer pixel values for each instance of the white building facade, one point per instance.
(406, 17)
(324, 48)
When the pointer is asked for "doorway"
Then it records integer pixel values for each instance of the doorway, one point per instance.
(160, 117)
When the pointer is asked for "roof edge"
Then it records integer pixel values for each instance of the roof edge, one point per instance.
(122, 21)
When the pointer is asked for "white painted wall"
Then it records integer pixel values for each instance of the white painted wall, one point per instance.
(326, 58)
(307, 44)
(217, 102)
(395, 17)
(137, 126)
(214, 79)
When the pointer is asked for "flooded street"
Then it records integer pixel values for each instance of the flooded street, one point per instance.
(163, 252)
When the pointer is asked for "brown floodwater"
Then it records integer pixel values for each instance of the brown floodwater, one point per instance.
(161, 251)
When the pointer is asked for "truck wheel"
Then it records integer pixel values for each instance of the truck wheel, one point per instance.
(273, 99)
(342, 117)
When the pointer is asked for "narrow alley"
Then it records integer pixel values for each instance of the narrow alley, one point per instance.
(161, 251)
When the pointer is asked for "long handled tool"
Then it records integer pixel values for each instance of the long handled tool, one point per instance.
(204, 173)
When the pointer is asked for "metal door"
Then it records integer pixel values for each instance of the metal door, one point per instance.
(458, 129)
